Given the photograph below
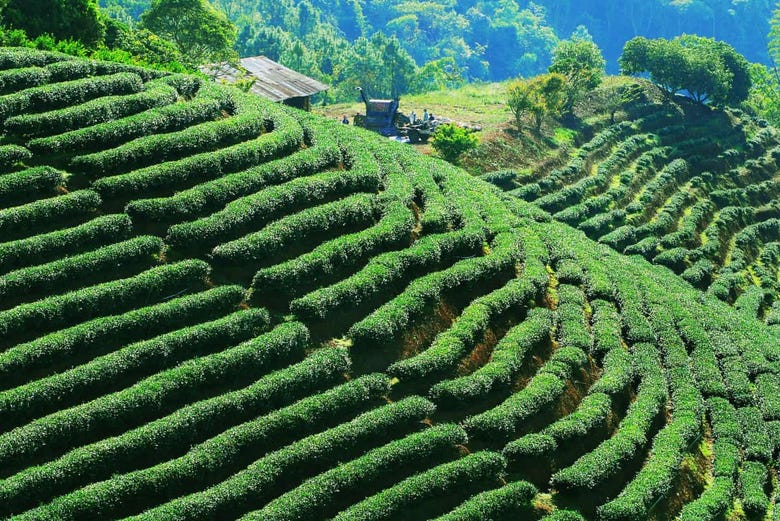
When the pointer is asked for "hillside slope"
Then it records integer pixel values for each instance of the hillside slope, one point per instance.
(687, 187)
(212, 307)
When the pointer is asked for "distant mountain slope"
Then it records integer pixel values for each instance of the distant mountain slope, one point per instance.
(213, 307)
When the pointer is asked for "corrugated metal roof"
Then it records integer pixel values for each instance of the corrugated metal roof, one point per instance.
(272, 80)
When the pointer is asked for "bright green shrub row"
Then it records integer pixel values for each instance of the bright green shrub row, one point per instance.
(768, 394)
(757, 445)
(735, 376)
(211, 196)
(465, 476)
(59, 95)
(280, 471)
(308, 225)
(512, 499)
(568, 271)
(687, 232)
(660, 188)
(584, 214)
(572, 323)
(704, 363)
(66, 70)
(606, 460)
(753, 481)
(148, 399)
(666, 218)
(22, 78)
(629, 298)
(156, 147)
(94, 112)
(503, 179)
(125, 366)
(29, 219)
(325, 262)
(27, 185)
(617, 375)
(437, 209)
(111, 121)
(166, 178)
(751, 301)
(602, 225)
(656, 478)
(606, 327)
(455, 343)
(725, 421)
(12, 154)
(505, 363)
(591, 412)
(18, 57)
(324, 494)
(111, 262)
(547, 386)
(619, 158)
(36, 318)
(676, 259)
(392, 317)
(264, 405)
(24, 362)
(384, 271)
(713, 502)
(717, 498)
(46, 247)
(247, 213)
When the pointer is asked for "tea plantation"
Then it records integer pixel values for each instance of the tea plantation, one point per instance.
(213, 307)
(685, 186)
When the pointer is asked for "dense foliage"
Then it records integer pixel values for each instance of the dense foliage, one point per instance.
(707, 70)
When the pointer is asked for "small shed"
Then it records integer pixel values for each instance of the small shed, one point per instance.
(271, 80)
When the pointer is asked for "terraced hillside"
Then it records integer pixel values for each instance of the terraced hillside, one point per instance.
(686, 187)
(213, 307)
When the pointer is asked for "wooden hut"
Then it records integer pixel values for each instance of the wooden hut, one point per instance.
(270, 80)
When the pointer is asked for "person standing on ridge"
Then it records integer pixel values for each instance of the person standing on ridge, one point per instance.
(425, 115)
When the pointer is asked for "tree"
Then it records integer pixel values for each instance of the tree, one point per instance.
(580, 60)
(706, 70)
(536, 97)
(63, 19)
(200, 31)
(765, 95)
(452, 141)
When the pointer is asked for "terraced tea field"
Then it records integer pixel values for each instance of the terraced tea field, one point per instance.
(213, 307)
(686, 187)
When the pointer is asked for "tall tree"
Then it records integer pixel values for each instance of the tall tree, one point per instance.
(64, 19)
(200, 31)
(706, 70)
(580, 60)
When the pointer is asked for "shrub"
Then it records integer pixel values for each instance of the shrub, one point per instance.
(452, 141)
(467, 475)
(261, 481)
(174, 434)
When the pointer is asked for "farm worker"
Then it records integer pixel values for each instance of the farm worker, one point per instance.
(425, 115)
(413, 118)
(345, 120)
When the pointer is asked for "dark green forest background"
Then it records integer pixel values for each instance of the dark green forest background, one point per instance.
(451, 41)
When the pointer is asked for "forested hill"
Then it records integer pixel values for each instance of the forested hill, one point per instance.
(450, 39)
